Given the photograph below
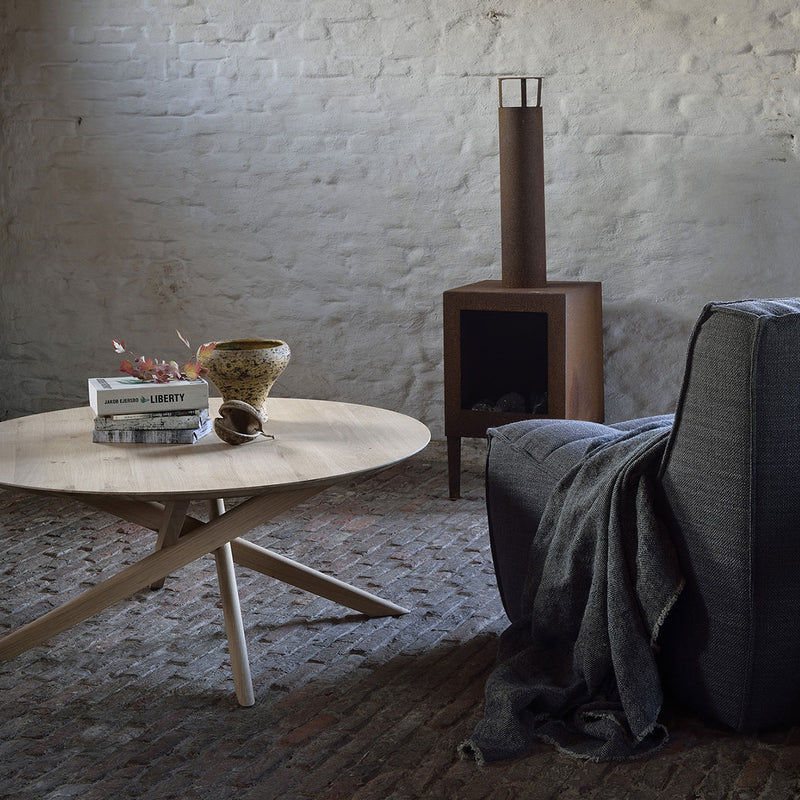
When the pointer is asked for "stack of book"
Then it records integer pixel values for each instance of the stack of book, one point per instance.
(138, 412)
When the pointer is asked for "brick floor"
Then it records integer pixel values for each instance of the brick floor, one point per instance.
(137, 702)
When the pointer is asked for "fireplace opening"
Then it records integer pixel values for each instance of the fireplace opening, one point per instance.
(504, 361)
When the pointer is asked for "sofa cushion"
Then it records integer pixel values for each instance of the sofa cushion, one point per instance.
(526, 460)
(730, 647)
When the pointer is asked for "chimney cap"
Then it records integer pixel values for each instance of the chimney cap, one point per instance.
(523, 90)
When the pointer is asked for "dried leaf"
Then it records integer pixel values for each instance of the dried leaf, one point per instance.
(192, 370)
(183, 338)
(119, 345)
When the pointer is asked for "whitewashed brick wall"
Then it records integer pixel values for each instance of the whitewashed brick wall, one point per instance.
(321, 170)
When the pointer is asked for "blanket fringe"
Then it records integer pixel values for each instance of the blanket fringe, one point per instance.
(664, 611)
(468, 751)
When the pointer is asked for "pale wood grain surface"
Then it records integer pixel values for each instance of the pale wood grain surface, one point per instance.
(316, 442)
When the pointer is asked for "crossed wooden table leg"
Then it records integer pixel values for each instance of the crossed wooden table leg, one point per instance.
(181, 540)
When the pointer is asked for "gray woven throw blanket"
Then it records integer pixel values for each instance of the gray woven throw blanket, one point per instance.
(578, 669)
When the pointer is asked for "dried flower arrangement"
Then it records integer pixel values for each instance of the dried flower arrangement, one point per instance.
(152, 369)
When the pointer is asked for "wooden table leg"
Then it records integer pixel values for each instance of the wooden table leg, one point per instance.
(181, 540)
(170, 530)
(200, 541)
(292, 572)
(234, 627)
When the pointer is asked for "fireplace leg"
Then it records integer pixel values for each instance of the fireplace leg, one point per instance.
(454, 466)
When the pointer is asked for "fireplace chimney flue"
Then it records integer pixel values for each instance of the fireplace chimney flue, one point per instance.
(522, 226)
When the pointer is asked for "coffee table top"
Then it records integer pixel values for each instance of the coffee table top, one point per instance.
(317, 442)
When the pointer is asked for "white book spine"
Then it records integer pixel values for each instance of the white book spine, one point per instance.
(110, 396)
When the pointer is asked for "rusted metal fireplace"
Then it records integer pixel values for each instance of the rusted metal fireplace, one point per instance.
(521, 347)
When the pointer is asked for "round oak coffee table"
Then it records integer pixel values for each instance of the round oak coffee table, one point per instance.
(317, 444)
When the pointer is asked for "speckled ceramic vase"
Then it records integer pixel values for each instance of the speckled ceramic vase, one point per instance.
(246, 369)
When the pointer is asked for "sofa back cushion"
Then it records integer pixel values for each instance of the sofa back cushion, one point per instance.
(731, 480)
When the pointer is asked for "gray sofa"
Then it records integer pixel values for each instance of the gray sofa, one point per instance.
(730, 489)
